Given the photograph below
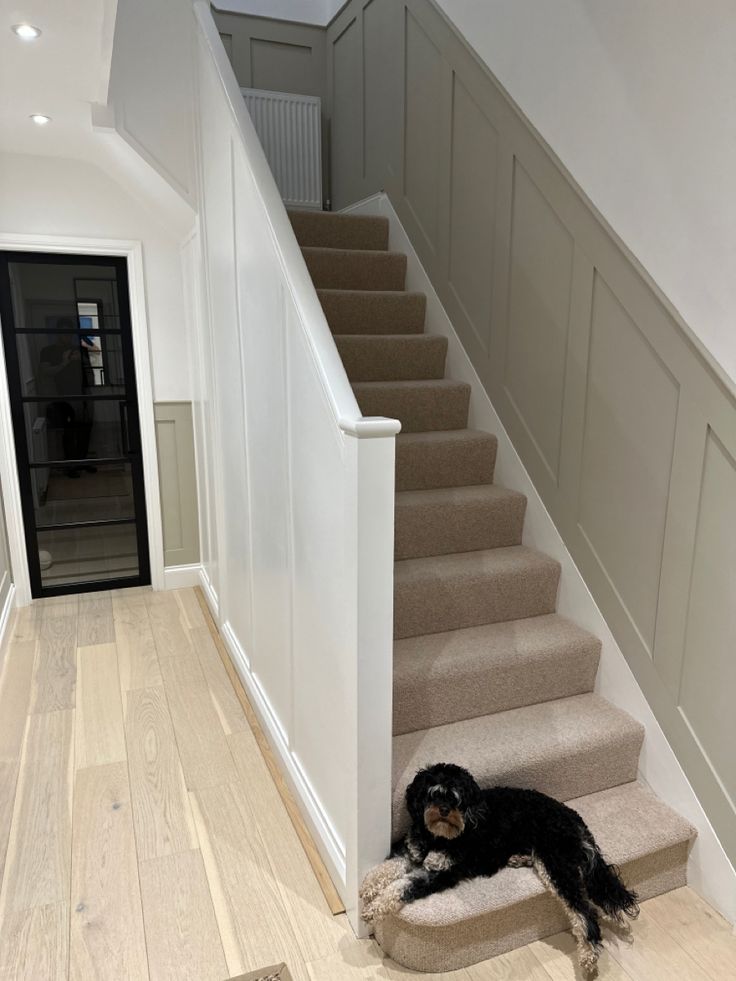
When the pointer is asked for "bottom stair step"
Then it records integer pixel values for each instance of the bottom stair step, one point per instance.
(482, 918)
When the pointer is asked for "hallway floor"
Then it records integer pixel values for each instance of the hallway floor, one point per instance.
(142, 835)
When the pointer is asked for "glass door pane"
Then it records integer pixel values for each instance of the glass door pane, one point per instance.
(69, 357)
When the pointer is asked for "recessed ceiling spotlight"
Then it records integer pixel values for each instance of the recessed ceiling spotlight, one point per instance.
(40, 120)
(26, 32)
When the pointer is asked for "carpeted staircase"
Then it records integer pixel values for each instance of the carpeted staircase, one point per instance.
(486, 674)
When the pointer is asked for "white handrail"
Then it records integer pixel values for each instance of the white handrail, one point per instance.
(326, 357)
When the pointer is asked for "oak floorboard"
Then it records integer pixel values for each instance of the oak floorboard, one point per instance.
(169, 631)
(34, 944)
(519, 963)
(100, 737)
(706, 936)
(161, 808)
(190, 608)
(653, 955)
(15, 694)
(203, 748)
(181, 931)
(107, 941)
(318, 932)
(94, 629)
(137, 657)
(228, 708)
(558, 955)
(55, 672)
(253, 922)
(39, 848)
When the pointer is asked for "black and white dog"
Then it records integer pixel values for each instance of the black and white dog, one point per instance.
(459, 831)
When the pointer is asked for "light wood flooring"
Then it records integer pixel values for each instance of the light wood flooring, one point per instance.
(142, 835)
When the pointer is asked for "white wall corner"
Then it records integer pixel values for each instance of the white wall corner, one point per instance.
(709, 869)
(6, 616)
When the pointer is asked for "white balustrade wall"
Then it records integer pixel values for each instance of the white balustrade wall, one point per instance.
(296, 490)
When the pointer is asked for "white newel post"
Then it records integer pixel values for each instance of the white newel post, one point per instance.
(372, 676)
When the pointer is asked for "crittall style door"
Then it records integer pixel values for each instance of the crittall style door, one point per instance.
(71, 378)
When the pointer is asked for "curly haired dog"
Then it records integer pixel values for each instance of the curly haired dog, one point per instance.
(459, 831)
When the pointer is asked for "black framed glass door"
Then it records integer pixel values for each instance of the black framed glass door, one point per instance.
(71, 377)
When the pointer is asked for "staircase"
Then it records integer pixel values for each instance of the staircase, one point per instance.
(486, 673)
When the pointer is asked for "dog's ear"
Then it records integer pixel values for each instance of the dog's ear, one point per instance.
(416, 794)
(472, 798)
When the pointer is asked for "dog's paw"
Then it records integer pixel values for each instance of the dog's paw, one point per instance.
(382, 876)
(520, 862)
(589, 961)
(389, 901)
(437, 862)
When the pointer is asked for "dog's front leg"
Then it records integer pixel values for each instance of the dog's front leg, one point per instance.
(378, 880)
(415, 885)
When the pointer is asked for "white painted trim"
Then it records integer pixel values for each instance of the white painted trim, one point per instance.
(5, 615)
(326, 838)
(210, 595)
(133, 252)
(179, 576)
(709, 870)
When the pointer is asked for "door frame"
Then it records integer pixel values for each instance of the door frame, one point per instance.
(132, 251)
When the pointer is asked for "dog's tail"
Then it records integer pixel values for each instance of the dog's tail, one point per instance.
(605, 887)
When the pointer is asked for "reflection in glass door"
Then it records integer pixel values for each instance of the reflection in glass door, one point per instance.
(71, 378)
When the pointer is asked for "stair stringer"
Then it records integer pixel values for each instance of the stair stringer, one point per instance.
(709, 870)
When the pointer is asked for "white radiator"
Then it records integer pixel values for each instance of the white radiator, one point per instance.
(289, 127)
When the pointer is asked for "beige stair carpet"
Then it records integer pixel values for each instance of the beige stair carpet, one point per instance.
(486, 673)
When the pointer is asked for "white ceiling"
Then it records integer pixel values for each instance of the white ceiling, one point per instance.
(60, 74)
(319, 12)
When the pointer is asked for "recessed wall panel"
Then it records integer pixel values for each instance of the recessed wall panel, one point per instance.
(422, 132)
(474, 167)
(630, 417)
(380, 64)
(540, 282)
(708, 681)
(347, 136)
(281, 67)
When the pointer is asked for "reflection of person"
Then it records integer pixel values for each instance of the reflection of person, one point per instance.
(61, 374)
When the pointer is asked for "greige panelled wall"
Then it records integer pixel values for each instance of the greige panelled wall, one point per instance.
(178, 482)
(627, 429)
(280, 56)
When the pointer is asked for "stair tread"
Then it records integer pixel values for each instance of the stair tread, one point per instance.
(441, 496)
(333, 229)
(470, 565)
(550, 746)
(628, 821)
(426, 405)
(444, 458)
(462, 674)
(392, 357)
(361, 269)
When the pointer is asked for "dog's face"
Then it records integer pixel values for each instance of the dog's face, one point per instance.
(444, 799)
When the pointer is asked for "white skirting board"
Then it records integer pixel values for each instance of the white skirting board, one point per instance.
(5, 618)
(179, 576)
(324, 835)
(709, 870)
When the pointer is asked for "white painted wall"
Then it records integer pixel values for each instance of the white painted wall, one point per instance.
(53, 195)
(319, 12)
(638, 99)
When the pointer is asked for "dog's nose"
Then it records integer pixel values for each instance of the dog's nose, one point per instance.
(444, 810)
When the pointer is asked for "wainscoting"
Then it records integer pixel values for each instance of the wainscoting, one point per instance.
(625, 424)
(178, 482)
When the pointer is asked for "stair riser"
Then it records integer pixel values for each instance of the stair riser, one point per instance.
(334, 231)
(444, 949)
(420, 410)
(374, 312)
(575, 772)
(369, 359)
(422, 466)
(469, 688)
(437, 604)
(443, 529)
(356, 270)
